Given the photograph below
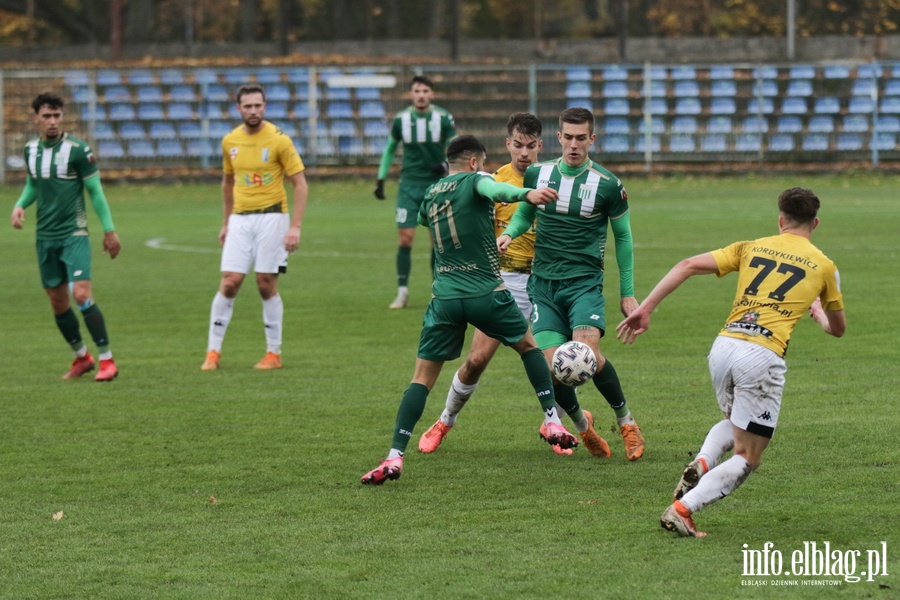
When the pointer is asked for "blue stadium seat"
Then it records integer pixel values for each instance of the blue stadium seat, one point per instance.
(288, 129)
(723, 87)
(615, 144)
(339, 110)
(237, 76)
(683, 72)
(103, 130)
(802, 72)
(848, 142)
(368, 93)
(836, 72)
(190, 130)
(151, 112)
(719, 125)
(162, 130)
(755, 124)
(376, 129)
(140, 77)
(612, 89)
(657, 89)
(868, 71)
(748, 142)
(141, 149)
(789, 124)
(98, 113)
(343, 128)
(895, 73)
(861, 105)
(578, 74)
(372, 109)
(149, 93)
(180, 111)
(586, 103)
(616, 106)
(616, 126)
(856, 123)
(718, 72)
(121, 112)
(656, 106)
(183, 92)
(793, 105)
(821, 124)
(278, 92)
(351, 146)
(267, 77)
(298, 75)
(110, 149)
(219, 129)
(883, 141)
(682, 143)
(887, 124)
(764, 106)
(376, 146)
(201, 148)
(686, 89)
(688, 106)
(614, 72)
(657, 73)
(202, 76)
(170, 149)
(212, 110)
(338, 93)
(276, 110)
(892, 87)
(132, 130)
(325, 147)
(116, 93)
(827, 105)
(722, 106)
(83, 95)
(765, 72)
(815, 142)
(578, 89)
(655, 143)
(171, 77)
(217, 92)
(800, 87)
(684, 125)
(781, 142)
(766, 88)
(108, 77)
(713, 142)
(302, 110)
(76, 77)
(301, 90)
(890, 105)
(864, 87)
(657, 125)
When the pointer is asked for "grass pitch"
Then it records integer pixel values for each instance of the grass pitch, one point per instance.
(176, 483)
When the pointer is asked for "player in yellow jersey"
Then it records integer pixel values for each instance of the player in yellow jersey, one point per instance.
(523, 142)
(780, 278)
(258, 232)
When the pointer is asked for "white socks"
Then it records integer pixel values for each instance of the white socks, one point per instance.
(273, 318)
(718, 483)
(457, 396)
(219, 317)
(719, 440)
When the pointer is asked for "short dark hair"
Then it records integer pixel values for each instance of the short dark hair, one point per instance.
(577, 116)
(424, 80)
(525, 123)
(799, 205)
(47, 99)
(250, 88)
(465, 146)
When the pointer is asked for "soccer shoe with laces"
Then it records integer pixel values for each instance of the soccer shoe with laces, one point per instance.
(80, 366)
(557, 435)
(401, 301)
(431, 439)
(391, 468)
(108, 370)
(595, 444)
(677, 518)
(269, 361)
(634, 441)
(212, 361)
(544, 433)
(690, 477)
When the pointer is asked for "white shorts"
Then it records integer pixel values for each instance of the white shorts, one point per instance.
(516, 284)
(256, 241)
(749, 381)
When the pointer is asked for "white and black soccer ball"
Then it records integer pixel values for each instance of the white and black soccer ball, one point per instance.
(574, 363)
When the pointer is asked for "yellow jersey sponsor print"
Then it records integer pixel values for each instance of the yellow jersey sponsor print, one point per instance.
(779, 277)
(259, 163)
(520, 254)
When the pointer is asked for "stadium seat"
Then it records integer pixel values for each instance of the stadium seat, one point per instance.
(83, 95)
(657, 73)
(237, 76)
(267, 77)
(892, 87)
(849, 142)
(586, 103)
(895, 73)
(376, 146)
(722, 106)
(802, 72)
(793, 105)
(864, 87)
(616, 106)
(338, 93)
(150, 112)
(288, 129)
(684, 125)
(765, 72)
(799, 87)
(815, 142)
(755, 124)
(162, 130)
(578, 74)
(301, 90)
(372, 109)
(141, 149)
(766, 88)
(686, 89)
(325, 147)
(351, 146)
(656, 106)
(107, 77)
(827, 105)
(375, 129)
(204, 76)
(616, 126)
(298, 75)
(368, 93)
(171, 77)
(748, 142)
(149, 93)
(278, 92)
(613, 89)
(683, 73)
(656, 89)
(201, 148)
(821, 124)
(723, 87)
(182, 92)
(339, 110)
(343, 128)
(655, 143)
(179, 111)
(836, 72)
(110, 149)
(614, 72)
(856, 123)
(789, 124)
(883, 141)
(219, 129)
(190, 130)
(868, 71)
(887, 124)
(682, 143)
(116, 93)
(121, 112)
(97, 112)
(688, 106)
(615, 144)
(890, 105)
(657, 125)
(719, 72)
(302, 110)
(212, 110)
(217, 92)
(578, 89)
(103, 130)
(132, 130)
(719, 125)
(781, 142)
(861, 105)
(140, 77)
(713, 142)
(170, 149)
(276, 110)
(764, 106)
(76, 77)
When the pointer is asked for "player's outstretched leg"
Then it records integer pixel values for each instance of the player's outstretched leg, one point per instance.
(391, 468)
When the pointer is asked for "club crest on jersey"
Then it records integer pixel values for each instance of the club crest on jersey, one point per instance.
(586, 192)
(265, 155)
(232, 152)
(624, 194)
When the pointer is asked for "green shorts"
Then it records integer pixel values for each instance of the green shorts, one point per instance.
(445, 321)
(409, 200)
(65, 260)
(562, 305)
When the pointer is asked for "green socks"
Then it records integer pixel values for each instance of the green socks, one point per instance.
(68, 326)
(607, 382)
(404, 265)
(539, 376)
(96, 325)
(411, 408)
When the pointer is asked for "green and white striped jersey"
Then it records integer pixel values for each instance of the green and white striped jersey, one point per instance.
(425, 137)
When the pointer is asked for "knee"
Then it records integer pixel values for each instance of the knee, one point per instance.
(472, 369)
(230, 286)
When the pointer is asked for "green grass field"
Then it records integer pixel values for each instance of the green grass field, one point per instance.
(177, 483)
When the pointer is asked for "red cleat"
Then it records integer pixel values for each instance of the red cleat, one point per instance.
(108, 370)
(81, 365)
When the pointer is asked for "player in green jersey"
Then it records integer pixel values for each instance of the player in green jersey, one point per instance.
(566, 285)
(468, 289)
(60, 168)
(424, 129)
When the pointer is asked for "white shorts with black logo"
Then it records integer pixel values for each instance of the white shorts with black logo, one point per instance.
(516, 284)
(749, 382)
(256, 241)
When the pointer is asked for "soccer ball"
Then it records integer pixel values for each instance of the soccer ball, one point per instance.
(574, 363)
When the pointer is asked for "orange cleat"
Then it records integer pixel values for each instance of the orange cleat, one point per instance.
(212, 361)
(80, 366)
(677, 518)
(634, 441)
(269, 361)
(431, 439)
(595, 444)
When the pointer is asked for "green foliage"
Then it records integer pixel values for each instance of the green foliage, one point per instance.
(176, 483)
